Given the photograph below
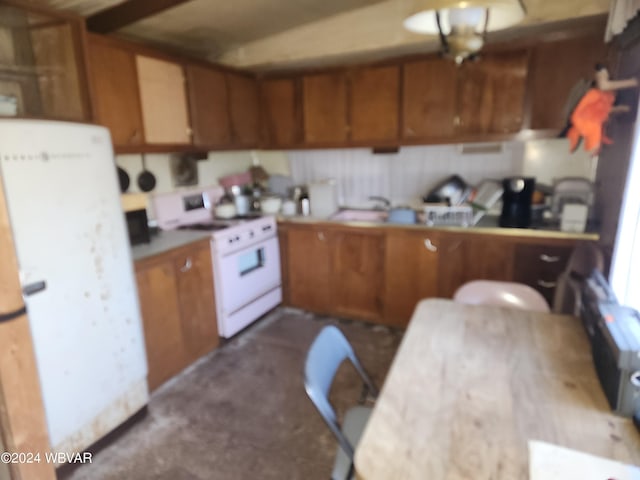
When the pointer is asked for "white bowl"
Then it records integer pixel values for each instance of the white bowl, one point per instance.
(226, 210)
(270, 205)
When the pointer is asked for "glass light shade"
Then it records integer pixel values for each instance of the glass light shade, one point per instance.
(474, 16)
(502, 14)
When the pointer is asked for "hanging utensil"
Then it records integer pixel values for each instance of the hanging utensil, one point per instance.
(146, 179)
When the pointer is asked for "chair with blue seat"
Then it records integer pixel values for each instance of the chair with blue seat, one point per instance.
(501, 294)
(327, 352)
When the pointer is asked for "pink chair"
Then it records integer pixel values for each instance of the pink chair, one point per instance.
(501, 294)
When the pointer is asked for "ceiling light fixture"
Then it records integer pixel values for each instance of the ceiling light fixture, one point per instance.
(463, 24)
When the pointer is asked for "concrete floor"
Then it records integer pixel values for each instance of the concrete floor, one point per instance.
(241, 412)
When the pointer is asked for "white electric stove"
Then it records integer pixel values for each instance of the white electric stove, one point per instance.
(244, 251)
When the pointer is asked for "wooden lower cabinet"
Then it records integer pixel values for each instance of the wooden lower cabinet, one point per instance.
(308, 269)
(337, 272)
(464, 257)
(357, 274)
(380, 274)
(411, 268)
(178, 309)
(540, 265)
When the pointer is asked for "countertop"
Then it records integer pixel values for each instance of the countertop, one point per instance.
(167, 240)
(487, 225)
(471, 385)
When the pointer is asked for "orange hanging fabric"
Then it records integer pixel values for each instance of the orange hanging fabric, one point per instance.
(588, 119)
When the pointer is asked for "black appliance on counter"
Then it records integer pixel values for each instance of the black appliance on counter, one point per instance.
(516, 201)
(138, 227)
(614, 333)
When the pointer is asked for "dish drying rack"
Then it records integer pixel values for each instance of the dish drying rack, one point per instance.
(444, 215)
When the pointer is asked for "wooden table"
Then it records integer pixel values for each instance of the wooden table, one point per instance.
(471, 385)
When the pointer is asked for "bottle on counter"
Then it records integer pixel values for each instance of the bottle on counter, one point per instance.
(305, 205)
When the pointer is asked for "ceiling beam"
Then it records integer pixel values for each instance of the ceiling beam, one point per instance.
(126, 13)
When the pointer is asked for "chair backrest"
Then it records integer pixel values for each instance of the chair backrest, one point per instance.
(502, 294)
(585, 258)
(327, 352)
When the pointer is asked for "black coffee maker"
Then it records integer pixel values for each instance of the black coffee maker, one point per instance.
(516, 201)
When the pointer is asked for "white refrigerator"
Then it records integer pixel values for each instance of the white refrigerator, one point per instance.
(77, 275)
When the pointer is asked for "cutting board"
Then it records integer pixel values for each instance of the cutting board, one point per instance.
(551, 462)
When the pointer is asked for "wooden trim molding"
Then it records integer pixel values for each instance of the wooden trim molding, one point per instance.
(22, 418)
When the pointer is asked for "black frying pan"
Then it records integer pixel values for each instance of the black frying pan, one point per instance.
(146, 179)
(123, 178)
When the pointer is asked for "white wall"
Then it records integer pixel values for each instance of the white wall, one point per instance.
(402, 177)
(409, 174)
(218, 164)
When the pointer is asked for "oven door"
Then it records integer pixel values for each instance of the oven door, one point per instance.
(245, 275)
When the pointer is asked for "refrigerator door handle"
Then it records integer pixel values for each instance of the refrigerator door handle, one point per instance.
(34, 287)
(5, 317)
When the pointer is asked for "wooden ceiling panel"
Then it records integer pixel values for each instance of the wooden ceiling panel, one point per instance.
(217, 25)
(272, 34)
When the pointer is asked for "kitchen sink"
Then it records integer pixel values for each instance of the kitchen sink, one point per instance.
(357, 215)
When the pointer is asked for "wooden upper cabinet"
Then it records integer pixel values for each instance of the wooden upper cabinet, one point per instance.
(244, 109)
(429, 99)
(375, 104)
(42, 69)
(491, 94)
(209, 106)
(115, 92)
(324, 104)
(282, 122)
(555, 68)
(163, 98)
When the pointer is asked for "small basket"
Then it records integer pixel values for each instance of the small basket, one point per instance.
(459, 216)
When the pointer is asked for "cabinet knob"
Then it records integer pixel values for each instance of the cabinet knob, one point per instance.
(543, 284)
(549, 259)
(321, 236)
(187, 265)
(429, 245)
(134, 135)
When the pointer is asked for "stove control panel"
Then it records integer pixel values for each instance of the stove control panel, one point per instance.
(244, 234)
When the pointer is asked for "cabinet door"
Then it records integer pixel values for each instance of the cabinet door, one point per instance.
(428, 99)
(209, 106)
(357, 274)
(375, 104)
(244, 110)
(282, 123)
(164, 101)
(556, 68)
(194, 276)
(163, 334)
(411, 273)
(115, 92)
(324, 103)
(466, 257)
(491, 94)
(308, 264)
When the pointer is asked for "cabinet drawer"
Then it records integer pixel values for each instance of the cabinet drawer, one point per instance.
(540, 265)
